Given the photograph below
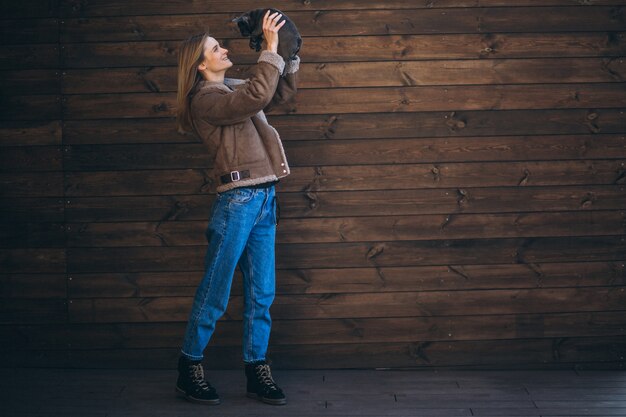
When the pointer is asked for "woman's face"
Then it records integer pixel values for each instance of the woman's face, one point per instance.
(215, 57)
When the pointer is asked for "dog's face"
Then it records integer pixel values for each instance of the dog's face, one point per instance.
(243, 23)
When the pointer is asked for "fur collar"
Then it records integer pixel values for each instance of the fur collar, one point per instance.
(228, 85)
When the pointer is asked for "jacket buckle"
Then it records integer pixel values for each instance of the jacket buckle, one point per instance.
(234, 176)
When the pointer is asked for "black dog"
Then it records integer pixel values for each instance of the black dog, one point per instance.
(289, 39)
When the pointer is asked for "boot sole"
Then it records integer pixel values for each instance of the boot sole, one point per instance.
(183, 394)
(271, 401)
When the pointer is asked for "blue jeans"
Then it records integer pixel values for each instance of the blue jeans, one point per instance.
(241, 230)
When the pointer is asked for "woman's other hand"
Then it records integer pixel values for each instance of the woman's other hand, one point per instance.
(270, 30)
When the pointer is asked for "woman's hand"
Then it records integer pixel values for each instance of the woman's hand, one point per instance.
(270, 30)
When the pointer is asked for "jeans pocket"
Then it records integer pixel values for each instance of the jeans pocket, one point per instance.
(240, 195)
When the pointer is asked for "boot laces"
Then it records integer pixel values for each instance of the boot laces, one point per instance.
(265, 376)
(198, 376)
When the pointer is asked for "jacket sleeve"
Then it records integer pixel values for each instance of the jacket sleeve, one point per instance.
(287, 85)
(226, 109)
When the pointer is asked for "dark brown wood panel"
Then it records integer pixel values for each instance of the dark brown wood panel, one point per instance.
(32, 235)
(593, 353)
(367, 100)
(29, 31)
(31, 184)
(357, 203)
(311, 332)
(357, 280)
(44, 81)
(33, 286)
(33, 107)
(31, 158)
(363, 254)
(455, 123)
(582, 353)
(345, 178)
(456, 198)
(347, 23)
(350, 152)
(33, 260)
(26, 310)
(30, 9)
(39, 56)
(28, 133)
(362, 305)
(24, 209)
(363, 74)
(343, 229)
(370, 126)
(142, 7)
(366, 48)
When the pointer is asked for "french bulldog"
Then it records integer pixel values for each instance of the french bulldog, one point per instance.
(289, 39)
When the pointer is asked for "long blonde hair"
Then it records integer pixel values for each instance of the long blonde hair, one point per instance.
(190, 54)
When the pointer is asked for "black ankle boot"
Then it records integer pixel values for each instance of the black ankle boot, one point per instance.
(261, 385)
(192, 385)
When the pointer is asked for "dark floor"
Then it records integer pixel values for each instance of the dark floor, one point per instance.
(113, 393)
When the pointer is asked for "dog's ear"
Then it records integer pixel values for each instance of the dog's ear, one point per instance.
(243, 23)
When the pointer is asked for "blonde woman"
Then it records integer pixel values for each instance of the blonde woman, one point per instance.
(248, 160)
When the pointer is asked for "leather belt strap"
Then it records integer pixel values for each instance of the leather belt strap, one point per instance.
(234, 176)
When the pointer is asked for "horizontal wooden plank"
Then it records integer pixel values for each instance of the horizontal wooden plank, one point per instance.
(479, 174)
(40, 56)
(346, 23)
(352, 152)
(370, 254)
(361, 100)
(581, 353)
(311, 332)
(364, 305)
(24, 31)
(45, 209)
(33, 285)
(26, 260)
(365, 48)
(364, 74)
(467, 251)
(354, 280)
(457, 72)
(467, 149)
(335, 229)
(578, 353)
(369, 126)
(354, 203)
(31, 158)
(31, 184)
(142, 7)
(30, 9)
(33, 107)
(26, 310)
(29, 133)
(33, 81)
(32, 235)
(311, 180)
(453, 98)
(456, 123)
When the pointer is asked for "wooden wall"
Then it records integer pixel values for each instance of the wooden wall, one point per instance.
(457, 195)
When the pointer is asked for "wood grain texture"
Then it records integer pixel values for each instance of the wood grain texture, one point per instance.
(456, 197)
(348, 23)
(364, 48)
(144, 335)
(358, 74)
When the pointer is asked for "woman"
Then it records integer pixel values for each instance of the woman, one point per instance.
(248, 159)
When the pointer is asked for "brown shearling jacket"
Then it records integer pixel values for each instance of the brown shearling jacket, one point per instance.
(229, 119)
